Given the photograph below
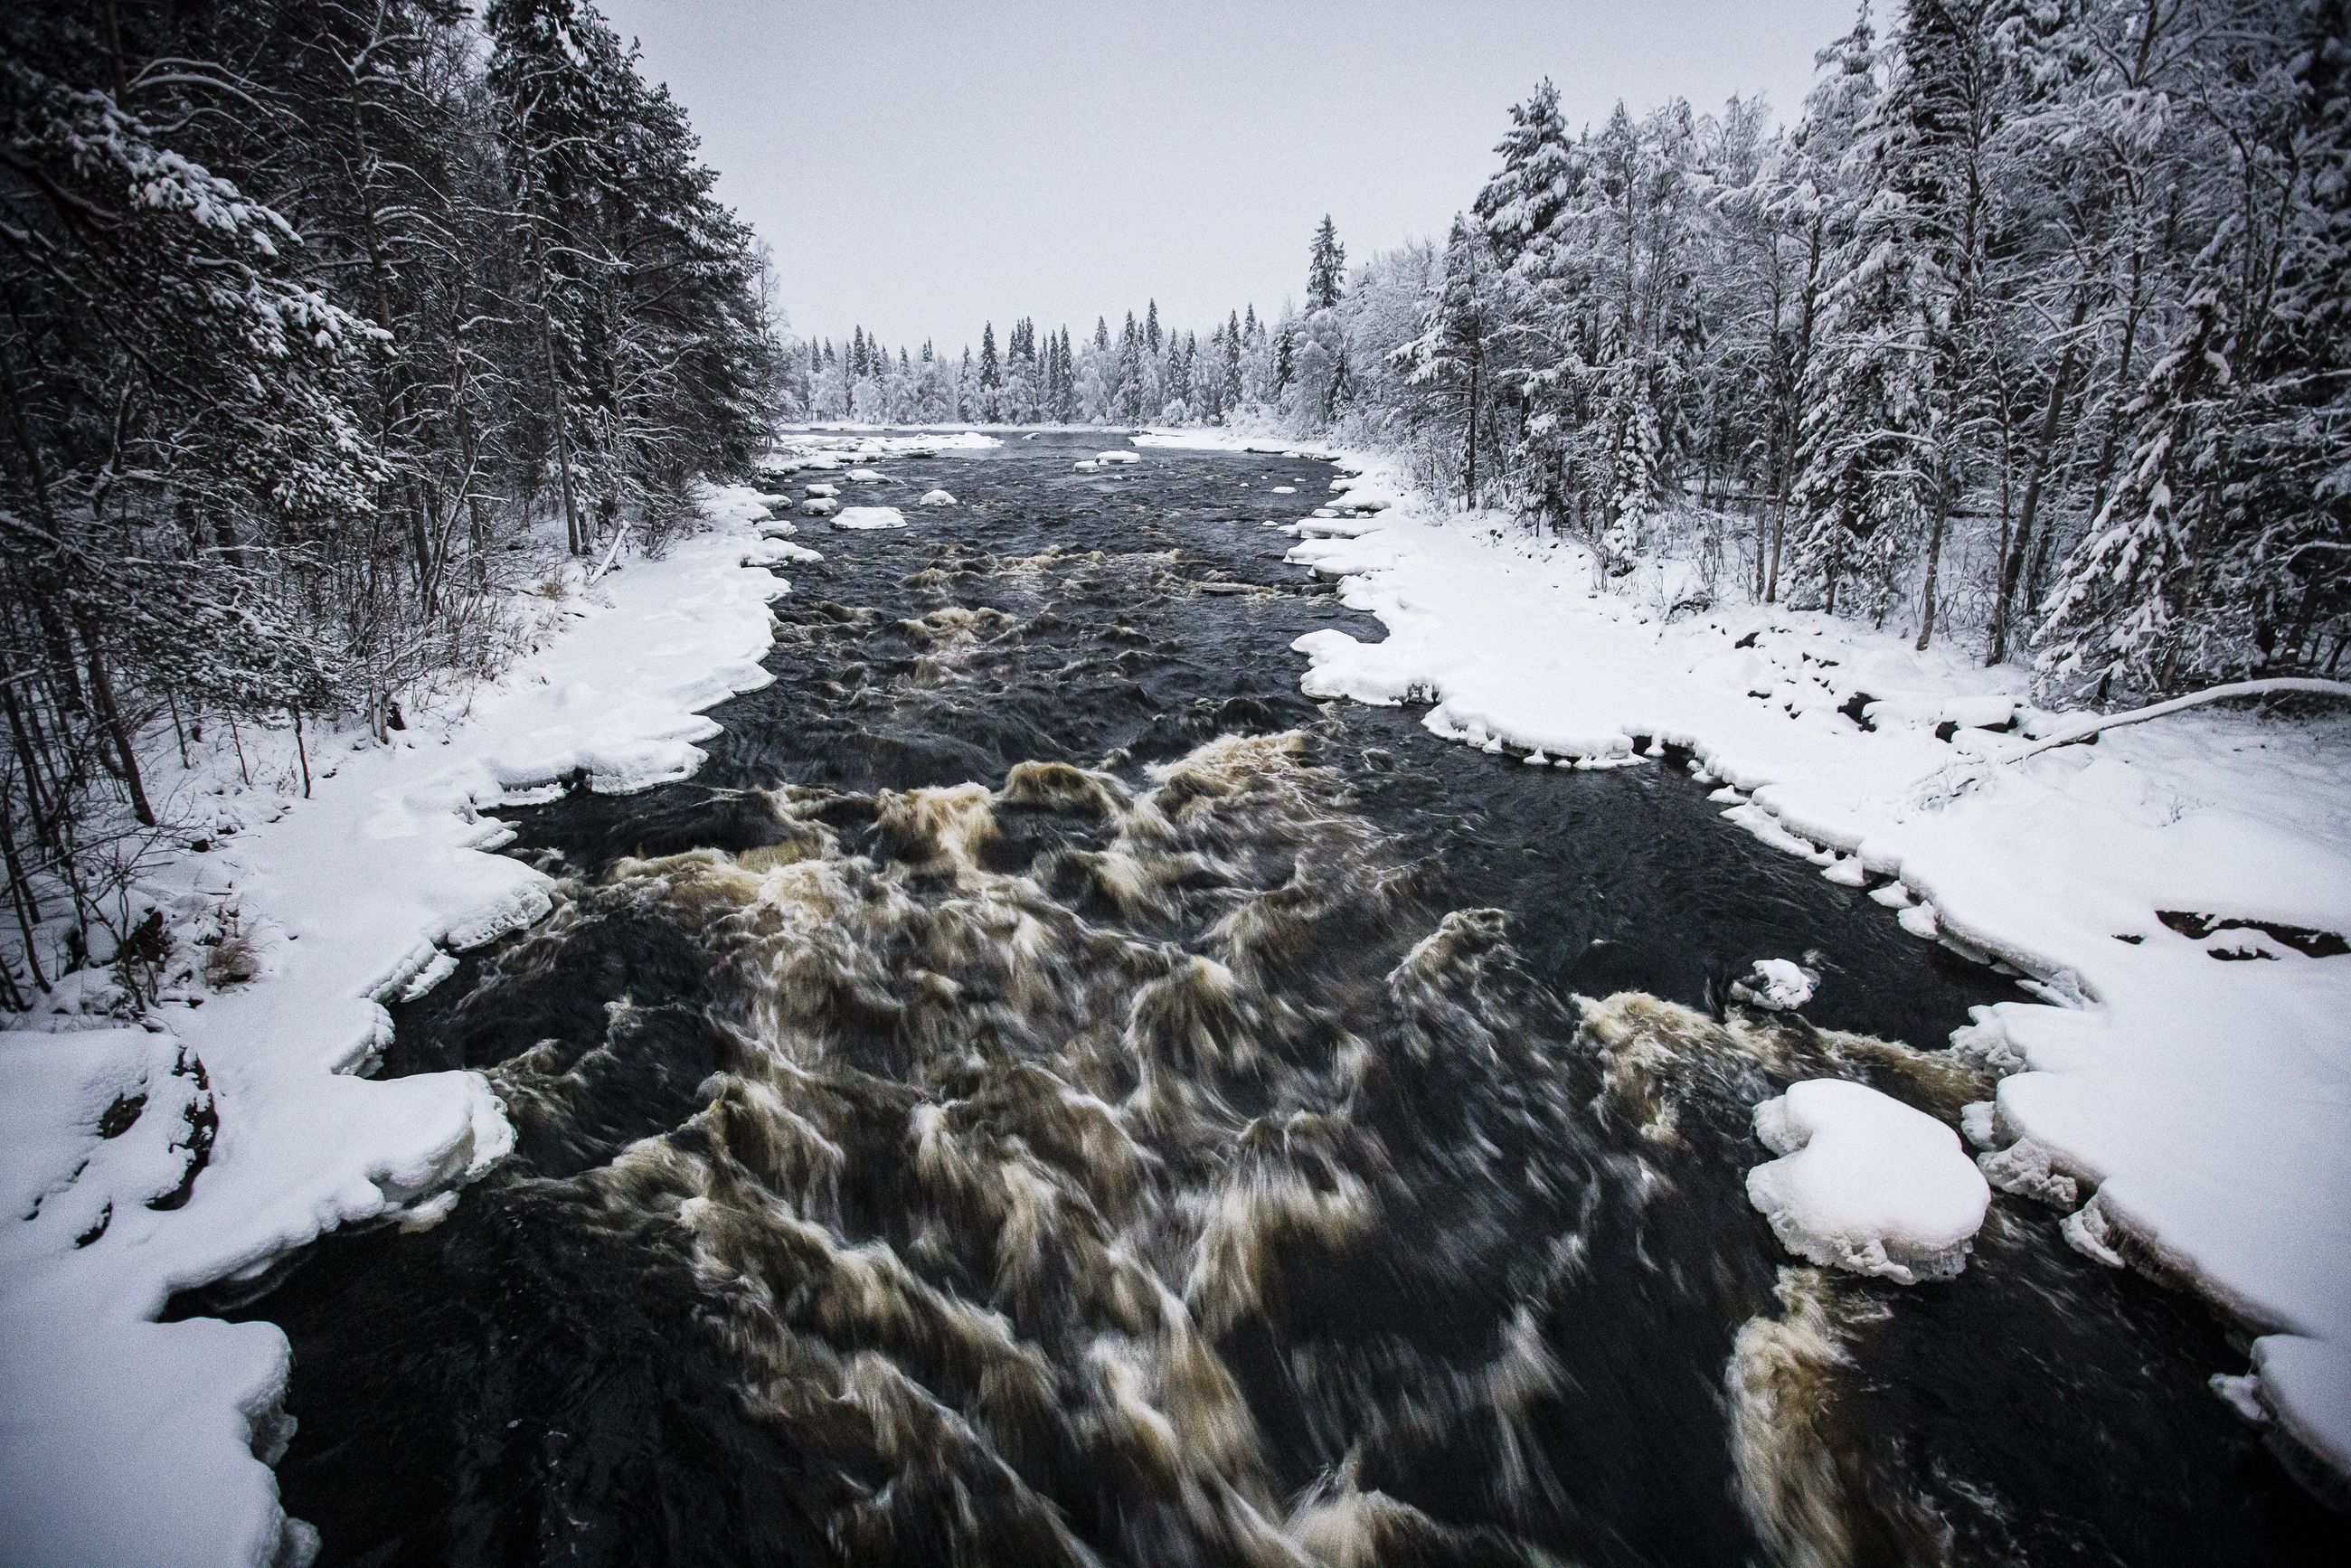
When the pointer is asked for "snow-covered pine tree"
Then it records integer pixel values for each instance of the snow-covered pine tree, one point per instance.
(1539, 176)
(1232, 392)
(2129, 606)
(1326, 267)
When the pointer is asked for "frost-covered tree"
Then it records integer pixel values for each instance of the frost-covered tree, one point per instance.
(1448, 362)
(1540, 176)
(1326, 267)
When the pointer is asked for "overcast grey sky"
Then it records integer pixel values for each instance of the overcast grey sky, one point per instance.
(922, 165)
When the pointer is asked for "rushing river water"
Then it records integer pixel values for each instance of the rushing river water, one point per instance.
(1047, 1092)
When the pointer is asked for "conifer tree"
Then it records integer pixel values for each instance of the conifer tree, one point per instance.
(1326, 268)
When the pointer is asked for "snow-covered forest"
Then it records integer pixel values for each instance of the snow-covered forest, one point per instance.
(329, 327)
(2032, 329)
(2032, 326)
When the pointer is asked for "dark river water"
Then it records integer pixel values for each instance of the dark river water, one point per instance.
(1047, 1092)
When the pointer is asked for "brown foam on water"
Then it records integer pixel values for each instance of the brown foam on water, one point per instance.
(1004, 1156)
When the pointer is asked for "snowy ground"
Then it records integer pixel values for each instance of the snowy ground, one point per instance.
(236, 1125)
(2183, 1091)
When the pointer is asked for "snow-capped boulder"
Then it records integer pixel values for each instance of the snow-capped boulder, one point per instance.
(936, 499)
(867, 475)
(1776, 984)
(871, 517)
(818, 507)
(824, 489)
(1085, 465)
(1119, 456)
(1865, 1183)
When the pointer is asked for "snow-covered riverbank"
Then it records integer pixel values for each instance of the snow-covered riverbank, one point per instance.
(2178, 892)
(139, 1162)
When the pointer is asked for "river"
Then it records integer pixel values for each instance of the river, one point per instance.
(1047, 1091)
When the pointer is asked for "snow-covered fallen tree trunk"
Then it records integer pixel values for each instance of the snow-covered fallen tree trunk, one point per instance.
(2279, 685)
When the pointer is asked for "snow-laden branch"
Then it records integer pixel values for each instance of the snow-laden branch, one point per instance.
(2278, 686)
(606, 565)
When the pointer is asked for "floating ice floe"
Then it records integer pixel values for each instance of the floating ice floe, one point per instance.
(1085, 465)
(1865, 1183)
(1285, 489)
(936, 499)
(870, 517)
(1777, 985)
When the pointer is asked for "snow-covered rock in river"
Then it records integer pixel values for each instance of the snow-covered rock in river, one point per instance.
(1865, 1183)
(867, 475)
(936, 499)
(871, 517)
(824, 489)
(1777, 985)
(818, 507)
(1120, 456)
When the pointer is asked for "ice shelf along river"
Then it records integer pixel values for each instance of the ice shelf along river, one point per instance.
(1048, 1091)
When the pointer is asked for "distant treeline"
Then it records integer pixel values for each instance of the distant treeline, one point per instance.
(1142, 373)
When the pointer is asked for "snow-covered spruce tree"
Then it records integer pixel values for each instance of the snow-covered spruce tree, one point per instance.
(1896, 399)
(2286, 556)
(2218, 550)
(2127, 605)
(1232, 390)
(646, 284)
(1539, 176)
(1129, 372)
(1326, 268)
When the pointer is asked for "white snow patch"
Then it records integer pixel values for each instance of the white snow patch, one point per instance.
(870, 517)
(1865, 1183)
(936, 499)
